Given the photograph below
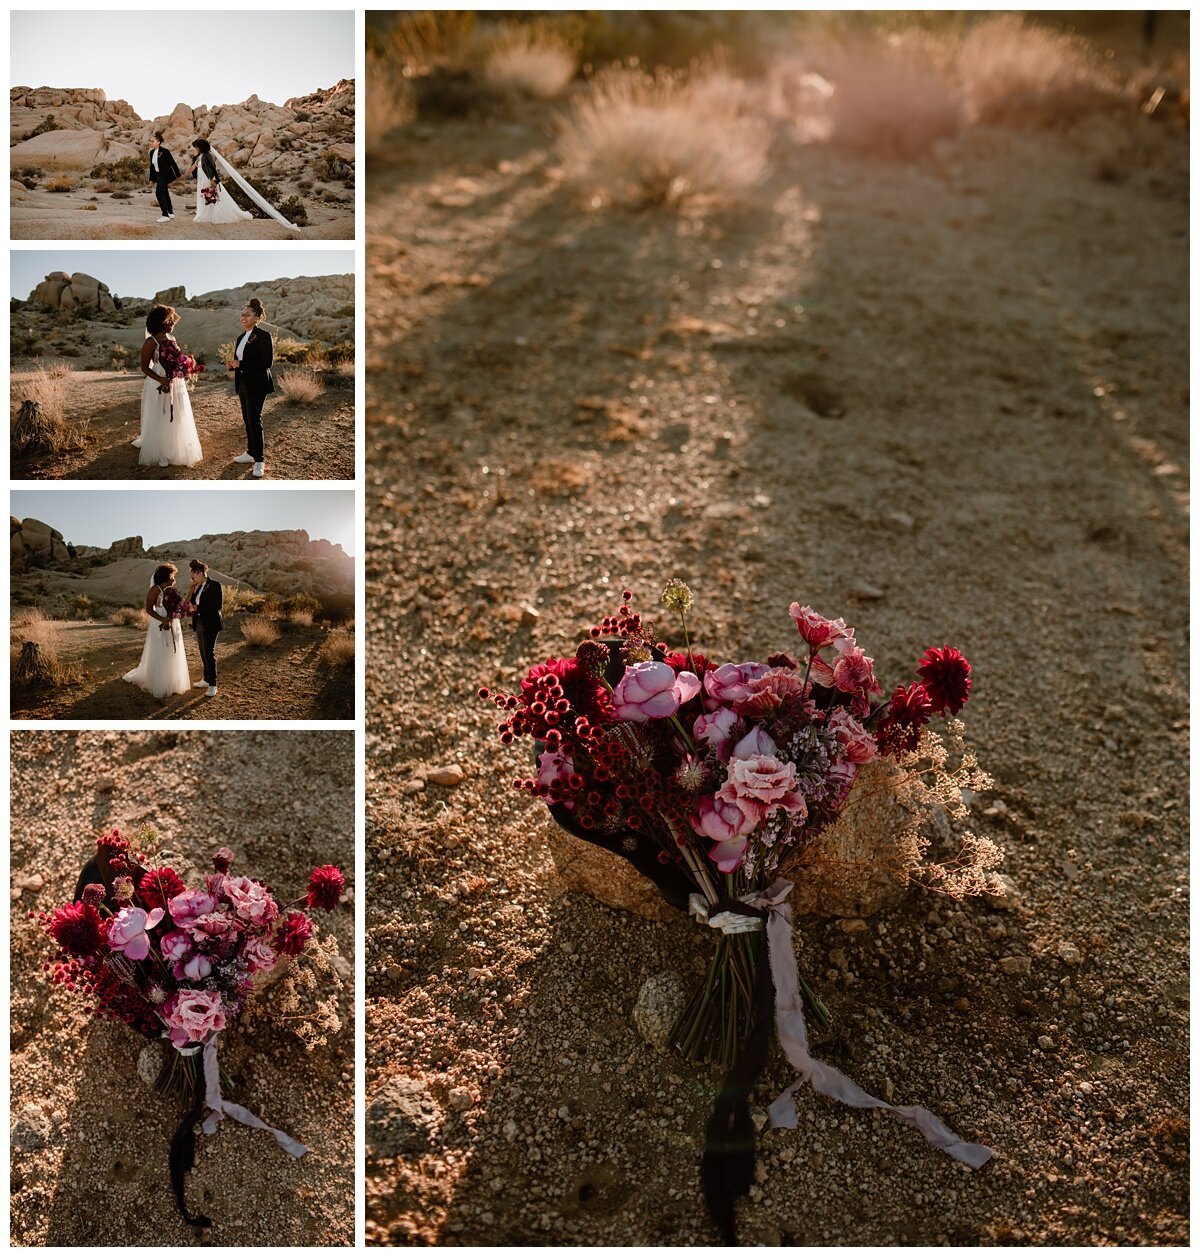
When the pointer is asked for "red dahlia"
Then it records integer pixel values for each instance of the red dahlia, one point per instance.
(159, 885)
(325, 888)
(900, 729)
(79, 929)
(294, 931)
(947, 677)
(678, 659)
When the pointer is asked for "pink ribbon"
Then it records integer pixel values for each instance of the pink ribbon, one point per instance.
(219, 1107)
(824, 1079)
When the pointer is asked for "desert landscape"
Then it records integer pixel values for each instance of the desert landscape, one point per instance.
(890, 318)
(87, 1126)
(77, 626)
(74, 353)
(78, 165)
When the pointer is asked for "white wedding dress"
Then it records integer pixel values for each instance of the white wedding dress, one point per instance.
(163, 669)
(224, 210)
(168, 427)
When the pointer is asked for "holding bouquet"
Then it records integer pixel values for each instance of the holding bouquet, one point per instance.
(182, 964)
(176, 607)
(723, 775)
(177, 366)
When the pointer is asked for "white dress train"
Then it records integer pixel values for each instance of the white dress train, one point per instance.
(168, 426)
(225, 208)
(163, 669)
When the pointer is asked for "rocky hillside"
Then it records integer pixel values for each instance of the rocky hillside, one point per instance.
(77, 315)
(77, 129)
(275, 561)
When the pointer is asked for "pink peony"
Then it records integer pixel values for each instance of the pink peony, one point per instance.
(251, 900)
(191, 1016)
(194, 968)
(653, 691)
(731, 681)
(858, 746)
(191, 904)
(760, 784)
(757, 742)
(716, 731)
(213, 925)
(816, 630)
(175, 946)
(854, 673)
(727, 825)
(259, 955)
(127, 931)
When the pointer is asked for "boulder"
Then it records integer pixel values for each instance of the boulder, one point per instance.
(171, 296)
(59, 150)
(59, 291)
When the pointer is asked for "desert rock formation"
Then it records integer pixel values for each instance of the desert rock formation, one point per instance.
(60, 291)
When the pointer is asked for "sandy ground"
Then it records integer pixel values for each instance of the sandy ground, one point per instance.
(84, 215)
(946, 400)
(285, 681)
(313, 442)
(90, 1140)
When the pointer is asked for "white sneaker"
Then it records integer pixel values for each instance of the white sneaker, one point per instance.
(162, 462)
(258, 471)
(211, 692)
(244, 458)
(136, 443)
(200, 685)
(164, 219)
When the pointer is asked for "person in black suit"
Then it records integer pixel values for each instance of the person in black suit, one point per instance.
(205, 596)
(163, 173)
(253, 352)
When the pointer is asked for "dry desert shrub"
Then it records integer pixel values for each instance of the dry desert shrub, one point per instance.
(302, 387)
(39, 404)
(1027, 75)
(26, 617)
(390, 102)
(258, 630)
(337, 650)
(36, 656)
(894, 97)
(300, 619)
(641, 140)
(60, 183)
(130, 617)
(526, 61)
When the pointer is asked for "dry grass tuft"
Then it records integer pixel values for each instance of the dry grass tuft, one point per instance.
(302, 387)
(39, 405)
(390, 102)
(642, 140)
(300, 619)
(60, 183)
(1027, 75)
(35, 654)
(529, 62)
(257, 630)
(337, 650)
(130, 617)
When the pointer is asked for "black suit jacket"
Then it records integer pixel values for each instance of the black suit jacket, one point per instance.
(208, 612)
(167, 169)
(208, 163)
(253, 373)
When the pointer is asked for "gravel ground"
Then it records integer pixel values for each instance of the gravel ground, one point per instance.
(89, 1138)
(946, 400)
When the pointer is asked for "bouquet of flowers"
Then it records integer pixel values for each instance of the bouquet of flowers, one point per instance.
(212, 193)
(177, 366)
(176, 607)
(714, 780)
(182, 964)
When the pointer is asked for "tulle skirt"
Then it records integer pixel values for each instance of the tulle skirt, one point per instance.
(224, 210)
(168, 427)
(163, 669)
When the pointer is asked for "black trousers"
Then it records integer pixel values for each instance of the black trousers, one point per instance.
(206, 640)
(252, 408)
(162, 190)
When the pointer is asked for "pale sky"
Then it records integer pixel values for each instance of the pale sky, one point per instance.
(141, 272)
(91, 517)
(156, 59)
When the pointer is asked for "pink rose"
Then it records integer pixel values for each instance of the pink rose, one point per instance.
(194, 968)
(213, 925)
(715, 730)
(816, 630)
(250, 900)
(760, 784)
(191, 1016)
(259, 955)
(653, 691)
(127, 931)
(175, 946)
(757, 742)
(554, 766)
(858, 746)
(727, 825)
(731, 681)
(191, 904)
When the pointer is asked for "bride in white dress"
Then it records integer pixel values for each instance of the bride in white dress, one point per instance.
(168, 437)
(224, 209)
(163, 669)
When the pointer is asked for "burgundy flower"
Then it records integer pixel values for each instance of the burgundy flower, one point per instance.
(679, 660)
(79, 929)
(113, 844)
(93, 893)
(294, 931)
(222, 860)
(900, 730)
(947, 677)
(325, 888)
(593, 658)
(159, 885)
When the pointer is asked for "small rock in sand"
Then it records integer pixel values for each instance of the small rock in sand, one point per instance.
(1004, 893)
(450, 775)
(659, 1004)
(402, 1118)
(1069, 954)
(1016, 964)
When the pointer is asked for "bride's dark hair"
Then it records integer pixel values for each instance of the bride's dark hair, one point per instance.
(161, 318)
(201, 146)
(163, 571)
